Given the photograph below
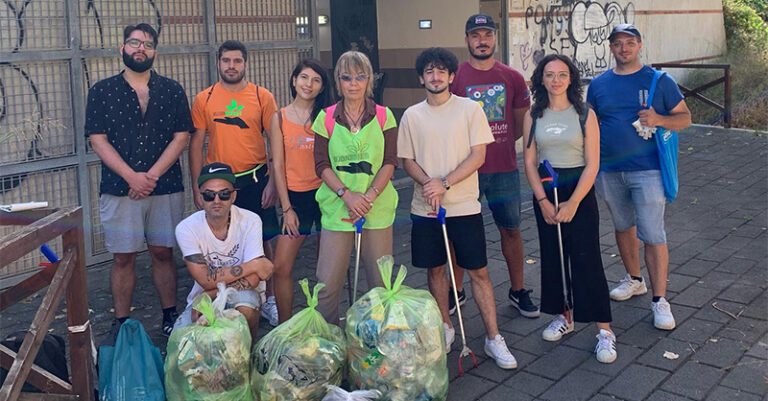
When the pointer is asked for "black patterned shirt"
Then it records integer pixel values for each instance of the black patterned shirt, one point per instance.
(113, 109)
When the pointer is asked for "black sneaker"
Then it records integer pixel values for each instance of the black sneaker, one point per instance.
(452, 302)
(168, 324)
(521, 300)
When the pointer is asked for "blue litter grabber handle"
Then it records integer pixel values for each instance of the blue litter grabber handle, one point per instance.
(551, 171)
(441, 215)
(359, 225)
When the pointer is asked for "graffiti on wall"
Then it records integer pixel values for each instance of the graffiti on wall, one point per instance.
(578, 29)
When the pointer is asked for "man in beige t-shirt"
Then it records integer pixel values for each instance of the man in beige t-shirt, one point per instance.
(442, 143)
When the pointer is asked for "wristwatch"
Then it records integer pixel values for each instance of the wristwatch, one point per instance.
(445, 184)
(340, 191)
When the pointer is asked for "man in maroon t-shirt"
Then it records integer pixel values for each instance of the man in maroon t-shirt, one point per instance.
(505, 98)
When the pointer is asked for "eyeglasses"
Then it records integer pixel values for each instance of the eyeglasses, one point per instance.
(135, 43)
(563, 76)
(358, 77)
(224, 195)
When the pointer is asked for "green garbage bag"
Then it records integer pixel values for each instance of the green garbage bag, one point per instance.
(396, 341)
(297, 358)
(208, 360)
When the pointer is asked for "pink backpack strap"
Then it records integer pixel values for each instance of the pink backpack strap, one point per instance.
(330, 123)
(381, 115)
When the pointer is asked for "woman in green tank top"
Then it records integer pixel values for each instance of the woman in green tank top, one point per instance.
(355, 155)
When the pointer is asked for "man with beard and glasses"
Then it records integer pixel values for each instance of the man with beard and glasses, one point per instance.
(139, 123)
(233, 113)
(505, 98)
(442, 143)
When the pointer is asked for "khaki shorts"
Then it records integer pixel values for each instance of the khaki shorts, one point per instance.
(128, 223)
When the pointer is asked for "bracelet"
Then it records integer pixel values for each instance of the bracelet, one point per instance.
(287, 210)
(539, 200)
(373, 187)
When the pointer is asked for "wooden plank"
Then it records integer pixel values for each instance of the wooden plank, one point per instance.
(19, 243)
(37, 330)
(28, 287)
(38, 377)
(80, 338)
(25, 217)
(47, 397)
(708, 85)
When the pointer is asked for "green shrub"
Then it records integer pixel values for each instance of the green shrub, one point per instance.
(745, 29)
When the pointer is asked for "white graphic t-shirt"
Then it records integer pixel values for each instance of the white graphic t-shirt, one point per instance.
(243, 242)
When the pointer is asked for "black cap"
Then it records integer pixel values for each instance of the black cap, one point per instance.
(629, 29)
(216, 170)
(479, 21)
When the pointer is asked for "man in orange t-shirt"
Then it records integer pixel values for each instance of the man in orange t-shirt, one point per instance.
(233, 112)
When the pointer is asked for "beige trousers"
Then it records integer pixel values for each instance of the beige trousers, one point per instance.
(334, 260)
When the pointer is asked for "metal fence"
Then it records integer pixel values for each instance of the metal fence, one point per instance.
(52, 51)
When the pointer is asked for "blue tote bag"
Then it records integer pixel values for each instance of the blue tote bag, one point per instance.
(667, 148)
(132, 370)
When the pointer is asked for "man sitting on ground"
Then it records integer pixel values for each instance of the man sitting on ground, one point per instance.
(223, 243)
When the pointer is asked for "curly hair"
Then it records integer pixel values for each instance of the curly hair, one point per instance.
(575, 90)
(436, 57)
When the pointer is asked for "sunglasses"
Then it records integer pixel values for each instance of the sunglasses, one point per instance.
(135, 43)
(224, 195)
(349, 78)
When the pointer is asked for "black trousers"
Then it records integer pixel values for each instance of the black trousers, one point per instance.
(581, 250)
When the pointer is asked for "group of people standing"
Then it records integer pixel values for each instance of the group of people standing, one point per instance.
(328, 164)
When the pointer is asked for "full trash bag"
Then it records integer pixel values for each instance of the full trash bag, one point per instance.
(132, 369)
(297, 358)
(208, 360)
(396, 341)
(336, 393)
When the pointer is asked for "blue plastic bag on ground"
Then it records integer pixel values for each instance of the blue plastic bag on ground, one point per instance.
(132, 370)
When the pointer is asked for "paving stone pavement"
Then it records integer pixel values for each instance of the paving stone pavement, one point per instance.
(717, 287)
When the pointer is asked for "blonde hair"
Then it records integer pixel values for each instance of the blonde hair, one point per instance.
(354, 61)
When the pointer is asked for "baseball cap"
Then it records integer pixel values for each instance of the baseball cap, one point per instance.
(216, 170)
(479, 21)
(629, 29)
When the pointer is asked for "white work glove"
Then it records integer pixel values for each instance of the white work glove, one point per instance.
(643, 131)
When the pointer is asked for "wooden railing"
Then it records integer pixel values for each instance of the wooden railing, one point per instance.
(724, 108)
(68, 274)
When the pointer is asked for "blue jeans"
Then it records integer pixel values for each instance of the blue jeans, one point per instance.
(635, 198)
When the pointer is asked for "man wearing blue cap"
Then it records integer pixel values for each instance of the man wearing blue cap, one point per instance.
(630, 177)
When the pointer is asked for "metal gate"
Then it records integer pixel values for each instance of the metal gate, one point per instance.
(52, 51)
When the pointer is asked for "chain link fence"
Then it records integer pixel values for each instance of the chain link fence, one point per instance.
(53, 51)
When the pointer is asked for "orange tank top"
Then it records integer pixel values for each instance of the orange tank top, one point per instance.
(299, 146)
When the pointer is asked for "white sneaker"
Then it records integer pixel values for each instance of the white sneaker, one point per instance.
(628, 288)
(450, 336)
(269, 311)
(605, 350)
(497, 349)
(556, 329)
(662, 315)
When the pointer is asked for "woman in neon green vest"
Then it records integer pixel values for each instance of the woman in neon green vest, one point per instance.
(355, 155)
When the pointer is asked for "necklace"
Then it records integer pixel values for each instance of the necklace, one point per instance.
(298, 117)
(354, 123)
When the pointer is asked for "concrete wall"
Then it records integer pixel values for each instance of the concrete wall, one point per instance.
(681, 30)
(690, 30)
(401, 40)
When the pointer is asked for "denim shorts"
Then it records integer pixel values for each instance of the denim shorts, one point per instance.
(502, 191)
(247, 298)
(635, 198)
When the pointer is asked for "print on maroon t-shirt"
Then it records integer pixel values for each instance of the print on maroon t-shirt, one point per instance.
(499, 91)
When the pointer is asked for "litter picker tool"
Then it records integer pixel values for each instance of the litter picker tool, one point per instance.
(358, 236)
(568, 303)
(465, 351)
